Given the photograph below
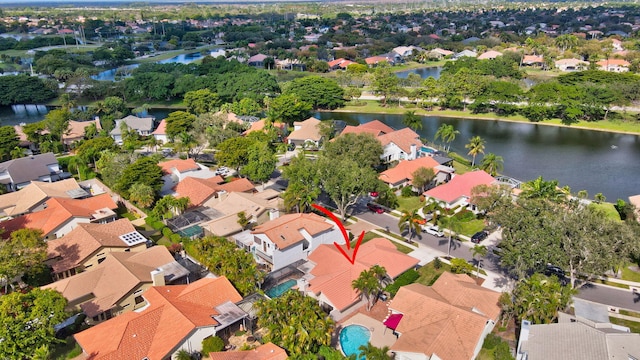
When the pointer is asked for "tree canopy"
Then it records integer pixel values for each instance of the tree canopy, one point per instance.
(320, 92)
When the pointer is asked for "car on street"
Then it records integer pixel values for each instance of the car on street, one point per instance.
(479, 236)
(375, 208)
(433, 230)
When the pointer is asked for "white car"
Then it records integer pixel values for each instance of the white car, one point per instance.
(433, 230)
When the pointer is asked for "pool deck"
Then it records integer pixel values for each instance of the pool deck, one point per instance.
(380, 335)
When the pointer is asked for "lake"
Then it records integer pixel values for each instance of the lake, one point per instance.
(582, 159)
(424, 72)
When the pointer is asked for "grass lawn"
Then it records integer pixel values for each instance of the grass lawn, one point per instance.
(609, 210)
(409, 203)
(471, 227)
(66, 350)
(164, 241)
(630, 313)
(628, 274)
(633, 325)
(429, 274)
(370, 235)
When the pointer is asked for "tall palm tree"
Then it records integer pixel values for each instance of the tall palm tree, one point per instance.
(475, 146)
(540, 188)
(492, 164)
(412, 120)
(17, 152)
(478, 250)
(453, 224)
(77, 163)
(371, 352)
(410, 220)
(447, 133)
(435, 207)
(367, 285)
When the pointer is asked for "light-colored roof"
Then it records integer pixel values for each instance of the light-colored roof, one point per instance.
(532, 59)
(107, 283)
(309, 130)
(334, 273)
(491, 54)
(268, 351)
(257, 58)
(575, 340)
(75, 247)
(460, 185)
(436, 321)
(75, 130)
(253, 204)
(134, 122)
(286, 230)
(613, 62)
(179, 165)
(28, 168)
(58, 212)
(405, 169)
(25, 199)
(442, 51)
(375, 127)
(173, 314)
(161, 129)
(403, 138)
(573, 62)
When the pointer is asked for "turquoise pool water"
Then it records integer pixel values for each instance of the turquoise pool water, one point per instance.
(280, 288)
(352, 337)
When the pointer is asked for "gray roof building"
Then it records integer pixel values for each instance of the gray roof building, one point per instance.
(144, 126)
(20, 172)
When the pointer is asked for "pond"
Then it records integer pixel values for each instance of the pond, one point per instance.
(424, 72)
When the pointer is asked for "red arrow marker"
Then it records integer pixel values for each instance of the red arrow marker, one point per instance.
(352, 258)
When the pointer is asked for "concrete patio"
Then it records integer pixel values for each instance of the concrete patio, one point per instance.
(380, 335)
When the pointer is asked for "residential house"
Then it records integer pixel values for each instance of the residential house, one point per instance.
(489, 55)
(532, 60)
(571, 64)
(32, 197)
(332, 274)
(76, 129)
(61, 215)
(306, 132)
(257, 60)
(259, 207)
(406, 51)
(375, 60)
(89, 244)
(402, 174)
(465, 53)
(375, 127)
(292, 237)
(576, 338)
(18, 173)
(448, 320)
(160, 133)
(340, 63)
(439, 53)
(260, 125)
(115, 285)
(177, 170)
(143, 126)
(456, 194)
(635, 201)
(613, 65)
(200, 190)
(401, 144)
(177, 317)
(268, 351)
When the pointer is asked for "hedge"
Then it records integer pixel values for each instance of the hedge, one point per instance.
(175, 238)
(408, 277)
(212, 344)
(166, 232)
(154, 223)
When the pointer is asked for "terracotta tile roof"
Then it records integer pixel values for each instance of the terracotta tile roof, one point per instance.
(75, 129)
(460, 185)
(285, 230)
(179, 165)
(309, 130)
(161, 129)
(173, 314)
(25, 199)
(377, 125)
(376, 59)
(268, 351)
(260, 125)
(200, 190)
(335, 62)
(431, 324)
(113, 279)
(491, 54)
(75, 247)
(613, 62)
(350, 129)
(405, 169)
(334, 274)
(58, 212)
(403, 138)
(237, 185)
(532, 59)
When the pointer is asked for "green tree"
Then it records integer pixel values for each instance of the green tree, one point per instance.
(212, 344)
(288, 108)
(479, 251)
(201, 101)
(168, 206)
(447, 133)
(27, 321)
(599, 198)
(492, 164)
(57, 122)
(234, 152)
(91, 150)
(385, 82)
(539, 188)
(23, 253)
(412, 120)
(539, 298)
(77, 164)
(304, 184)
(461, 266)
(364, 149)
(8, 140)
(179, 122)
(369, 284)
(475, 146)
(371, 352)
(243, 221)
(295, 322)
(321, 92)
(17, 152)
(246, 107)
(410, 220)
(112, 164)
(142, 195)
(144, 170)
(453, 225)
(261, 162)
(422, 177)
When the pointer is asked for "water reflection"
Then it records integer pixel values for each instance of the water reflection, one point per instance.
(423, 72)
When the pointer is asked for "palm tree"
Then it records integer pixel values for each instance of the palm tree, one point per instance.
(410, 220)
(492, 163)
(141, 194)
(367, 284)
(475, 146)
(17, 152)
(91, 131)
(371, 352)
(447, 133)
(478, 250)
(540, 188)
(77, 163)
(453, 224)
(434, 206)
(412, 120)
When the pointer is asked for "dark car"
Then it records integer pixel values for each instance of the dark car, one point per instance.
(479, 236)
(551, 270)
(375, 208)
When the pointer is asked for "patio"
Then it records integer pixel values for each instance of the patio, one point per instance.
(380, 335)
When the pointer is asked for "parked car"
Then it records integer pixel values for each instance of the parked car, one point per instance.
(550, 270)
(375, 208)
(479, 236)
(373, 194)
(433, 230)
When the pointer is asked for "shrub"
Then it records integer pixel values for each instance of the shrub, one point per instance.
(408, 277)
(175, 248)
(465, 215)
(437, 263)
(461, 266)
(407, 191)
(175, 238)
(166, 232)
(212, 344)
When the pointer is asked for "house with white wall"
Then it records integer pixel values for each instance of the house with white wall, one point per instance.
(143, 126)
(456, 194)
(18, 173)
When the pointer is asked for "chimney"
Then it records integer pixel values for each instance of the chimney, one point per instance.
(222, 194)
(274, 214)
(157, 276)
(414, 152)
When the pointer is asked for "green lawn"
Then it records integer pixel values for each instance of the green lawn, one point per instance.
(429, 274)
(409, 203)
(633, 325)
(628, 274)
(630, 313)
(471, 227)
(609, 210)
(69, 349)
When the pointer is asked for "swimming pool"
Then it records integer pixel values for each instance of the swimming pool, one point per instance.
(352, 337)
(280, 288)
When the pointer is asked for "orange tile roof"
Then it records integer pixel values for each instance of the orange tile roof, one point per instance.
(403, 138)
(334, 274)
(350, 129)
(237, 185)
(75, 247)
(112, 280)
(174, 312)
(161, 129)
(375, 59)
(460, 185)
(532, 59)
(179, 165)
(268, 351)
(377, 125)
(335, 62)
(58, 212)
(200, 190)
(285, 230)
(75, 129)
(308, 130)
(433, 324)
(260, 125)
(405, 169)
(613, 62)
